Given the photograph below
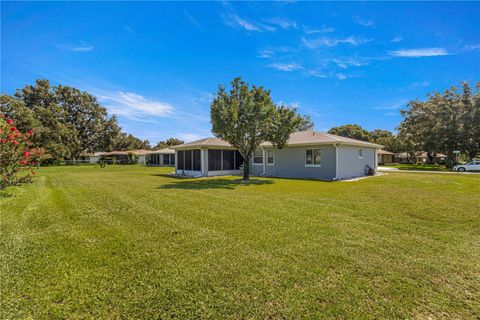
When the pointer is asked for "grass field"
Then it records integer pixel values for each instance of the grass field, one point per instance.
(423, 167)
(133, 242)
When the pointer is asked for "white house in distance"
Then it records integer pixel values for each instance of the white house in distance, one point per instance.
(308, 154)
(162, 157)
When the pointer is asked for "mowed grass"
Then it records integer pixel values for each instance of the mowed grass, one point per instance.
(132, 242)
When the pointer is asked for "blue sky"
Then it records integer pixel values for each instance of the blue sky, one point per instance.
(157, 65)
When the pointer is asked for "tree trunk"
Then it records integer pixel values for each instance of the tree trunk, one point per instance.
(246, 169)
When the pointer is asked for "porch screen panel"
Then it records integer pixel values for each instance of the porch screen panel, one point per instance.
(228, 160)
(238, 160)
(197, 160)
(166, 159)
(214, 160)
(188, 159)
(181, 158)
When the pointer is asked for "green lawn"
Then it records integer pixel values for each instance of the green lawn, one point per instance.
(132, 242)
(426, 167)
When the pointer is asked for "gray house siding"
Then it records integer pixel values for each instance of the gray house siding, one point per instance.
(290, 163)
(350, 165)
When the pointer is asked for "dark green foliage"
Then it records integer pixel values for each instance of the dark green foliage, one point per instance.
(353, 131)
(444, 122)
(245, 117)
(170, 142)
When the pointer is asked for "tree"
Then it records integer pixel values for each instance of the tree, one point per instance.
(130, 142)
(305, 124)
(353, 131)
(246, 117)
(170, 142)
(386, 138)
(444, 122)
(66, 121)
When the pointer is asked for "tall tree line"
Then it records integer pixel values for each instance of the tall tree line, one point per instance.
(66, 121)
(444, 122)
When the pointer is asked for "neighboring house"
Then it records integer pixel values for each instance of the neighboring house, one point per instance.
(90, 157)
(385, 156)
(121, 157)
(418, 157)
(162, 157)
(309, 154)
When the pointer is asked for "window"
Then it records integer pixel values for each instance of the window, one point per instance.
(196, 160)
(181, 157)
(228, 159)
(214, 160)
(360, 153)
(258, 156)
(270, 159)
(313, 157)
(188, 159)
(238, 160)
(172, 159)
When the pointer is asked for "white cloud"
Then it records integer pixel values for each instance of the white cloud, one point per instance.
(363, 22)
(421, 52)
(331, 42)
(420, 84)
(286, 66)
(312, 30)
(344, 63)
(282, 22)
(316, 74)
(82, 47)
(265, 53)
(340, 76)
(234, 21)
(134, 106)
(392, 106)
(470, 47)
(189, 137)
(191, 19)
(396, 39)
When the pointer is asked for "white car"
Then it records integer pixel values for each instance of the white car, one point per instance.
(472, 166)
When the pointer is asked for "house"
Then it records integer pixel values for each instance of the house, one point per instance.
(420, 157)
(89, 157)
(162, 157)
(122, 157)
(308, 154)
(385, 156)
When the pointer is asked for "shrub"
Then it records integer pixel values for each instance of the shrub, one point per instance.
(17, 159)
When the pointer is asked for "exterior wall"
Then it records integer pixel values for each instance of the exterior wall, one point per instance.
(94, 159)
(290, 163)
(141, 159)
(350, 165)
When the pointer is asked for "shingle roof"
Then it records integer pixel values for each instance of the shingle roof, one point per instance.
(381, 151)
(162, 151)
(297, 138)
(135, 152)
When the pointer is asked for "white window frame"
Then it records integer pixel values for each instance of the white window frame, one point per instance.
(273, 157)
(313, 158)
(360, 153)
(253, 158)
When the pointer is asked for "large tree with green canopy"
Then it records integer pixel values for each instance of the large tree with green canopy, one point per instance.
(246, 116)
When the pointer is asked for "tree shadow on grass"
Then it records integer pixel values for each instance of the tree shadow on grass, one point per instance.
(5, 194)
(213, 183)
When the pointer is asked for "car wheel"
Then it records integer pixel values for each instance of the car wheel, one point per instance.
(461, 169)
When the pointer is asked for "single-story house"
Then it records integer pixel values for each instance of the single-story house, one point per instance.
(90, 157)
(121, 157)
(385, 156)
(162, 157)
(308, 154)
(420, 157)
